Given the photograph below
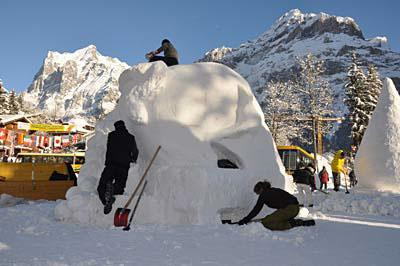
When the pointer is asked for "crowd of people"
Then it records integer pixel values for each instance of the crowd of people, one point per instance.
(8, 159)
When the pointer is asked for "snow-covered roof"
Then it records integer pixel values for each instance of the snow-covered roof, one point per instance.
(7, 119)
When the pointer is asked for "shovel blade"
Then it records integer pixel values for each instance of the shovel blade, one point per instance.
(121, 217)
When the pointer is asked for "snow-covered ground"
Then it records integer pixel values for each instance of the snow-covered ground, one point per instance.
(346, 234)
(177, 221)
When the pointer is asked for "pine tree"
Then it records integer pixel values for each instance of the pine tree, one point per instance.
(4, 108)
(20, 102)
(374, 87)
(360, 100)
(13, 103)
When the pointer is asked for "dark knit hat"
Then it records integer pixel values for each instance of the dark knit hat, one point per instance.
(165, 41)
(119, 123)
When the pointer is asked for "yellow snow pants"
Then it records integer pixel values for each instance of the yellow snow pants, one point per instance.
(279, 219)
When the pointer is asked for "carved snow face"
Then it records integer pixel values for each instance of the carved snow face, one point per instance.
(215, 145)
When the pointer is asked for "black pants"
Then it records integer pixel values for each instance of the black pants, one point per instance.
(336, 181)
(169, 61)
(112, 174)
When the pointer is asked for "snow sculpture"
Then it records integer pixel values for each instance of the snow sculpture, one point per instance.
(200, 114)
(377, 163)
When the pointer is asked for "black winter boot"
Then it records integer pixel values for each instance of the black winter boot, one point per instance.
(308, 223)
(109, 198)
(296, 222)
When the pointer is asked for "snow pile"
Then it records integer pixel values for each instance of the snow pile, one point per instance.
(8, 200)
(377, 163)
(361, 202)
(199, 114)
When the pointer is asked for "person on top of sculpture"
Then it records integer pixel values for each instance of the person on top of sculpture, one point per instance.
(170, 57)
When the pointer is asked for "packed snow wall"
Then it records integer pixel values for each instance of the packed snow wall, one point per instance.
(199, 114)
(377, 163)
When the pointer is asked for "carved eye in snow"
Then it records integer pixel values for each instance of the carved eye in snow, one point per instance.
(225, 163)
(225, 157)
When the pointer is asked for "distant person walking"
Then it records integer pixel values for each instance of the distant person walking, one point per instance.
(338, 167)
(121, 151)
(323, 178)
(170, 57)
(353, 178)
(304, 179)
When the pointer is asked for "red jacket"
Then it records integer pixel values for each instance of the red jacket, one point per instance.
(323, 175)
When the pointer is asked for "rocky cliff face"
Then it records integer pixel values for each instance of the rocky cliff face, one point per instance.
(273, 54)
(79, 84)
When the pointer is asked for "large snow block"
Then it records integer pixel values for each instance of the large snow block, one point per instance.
(377, 163)
(200, 114)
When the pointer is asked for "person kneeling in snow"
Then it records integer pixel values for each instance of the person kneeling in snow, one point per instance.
(286, 204)
(121, 151)
(170, 57)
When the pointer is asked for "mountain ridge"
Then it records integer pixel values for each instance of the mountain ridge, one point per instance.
(83, 83)
(272, 55)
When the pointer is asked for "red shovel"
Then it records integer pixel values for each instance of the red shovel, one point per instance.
(122, 214)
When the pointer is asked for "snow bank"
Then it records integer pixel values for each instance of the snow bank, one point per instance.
(198, 113)
(8, 200)
(361, 202)
(377, 163)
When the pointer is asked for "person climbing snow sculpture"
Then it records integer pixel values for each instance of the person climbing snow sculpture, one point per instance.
(304, 179)
(121, 152)
(170, 57)
(286, 204)
(338, 167)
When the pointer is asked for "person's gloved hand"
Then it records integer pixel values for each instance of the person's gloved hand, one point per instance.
(149, 55)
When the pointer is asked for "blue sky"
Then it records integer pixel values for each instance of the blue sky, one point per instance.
(129, 29)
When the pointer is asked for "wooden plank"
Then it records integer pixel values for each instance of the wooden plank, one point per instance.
(23, 171)
(49, 190)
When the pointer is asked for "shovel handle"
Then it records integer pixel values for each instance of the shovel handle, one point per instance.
(126, 228)
(141, 180)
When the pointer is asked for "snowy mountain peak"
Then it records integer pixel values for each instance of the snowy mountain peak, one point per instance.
(87, 53)
(295, 24)
(83, 83)
(333, 39)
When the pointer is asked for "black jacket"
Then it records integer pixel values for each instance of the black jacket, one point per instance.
(121, 148)
(303, 176)
(274, 198)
